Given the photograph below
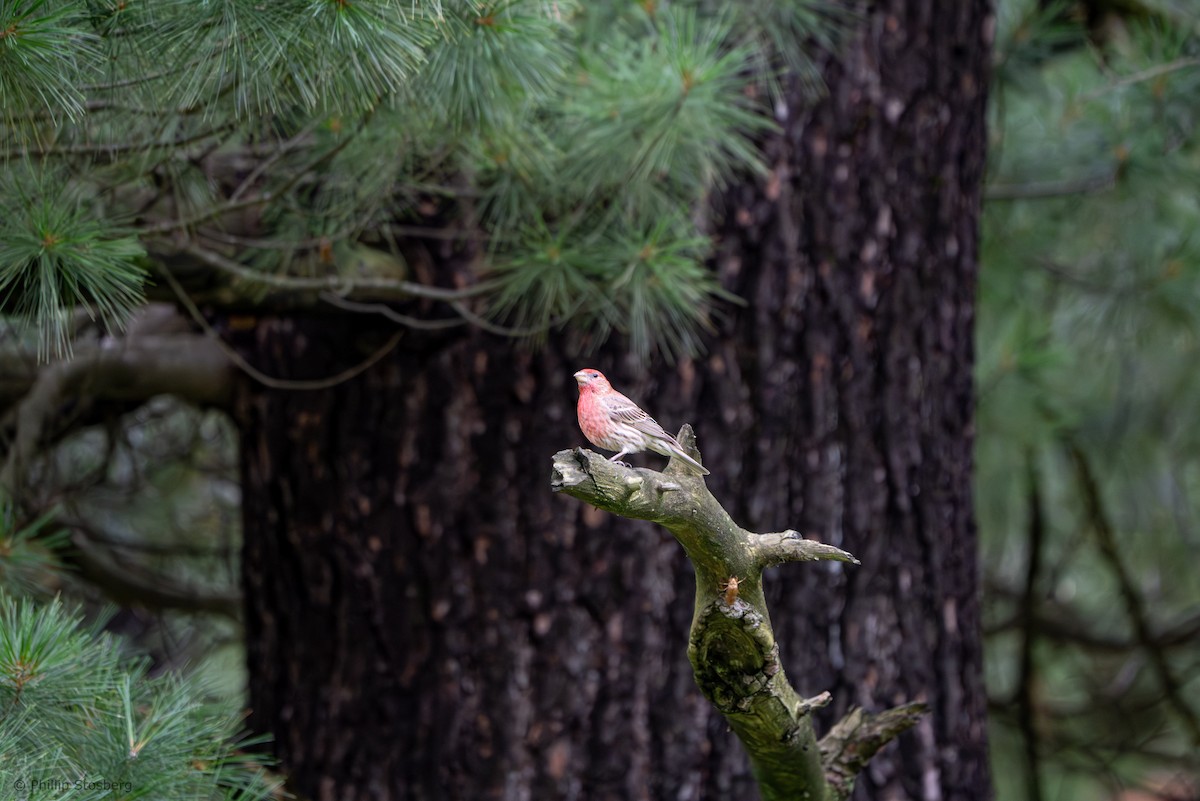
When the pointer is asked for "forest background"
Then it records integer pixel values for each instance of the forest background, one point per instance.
(302, 194)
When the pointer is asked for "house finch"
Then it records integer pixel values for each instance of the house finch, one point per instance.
(615, 423)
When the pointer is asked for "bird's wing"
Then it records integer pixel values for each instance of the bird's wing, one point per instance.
(623, 410)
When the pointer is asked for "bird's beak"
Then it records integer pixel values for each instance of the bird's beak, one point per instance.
(581, 377)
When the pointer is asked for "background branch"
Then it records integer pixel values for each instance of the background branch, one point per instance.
(1026, 693)
(1106, 540)
(131, 585)
(130, 368)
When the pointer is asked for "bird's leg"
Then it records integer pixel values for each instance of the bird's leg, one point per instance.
(617, 457)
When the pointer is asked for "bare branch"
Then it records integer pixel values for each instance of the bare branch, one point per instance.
(258, 375)
(1026, 692)
(174, 549)
(334, 283)
(851, 743)
(1086, 185)
(819, 701)
(791, 546)
(266, 164)
(1059, 621)
(1143, 75)
(110, 149)
(732, 645)
(390, 313)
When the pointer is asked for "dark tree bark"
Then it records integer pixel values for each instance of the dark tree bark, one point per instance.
(425, 620)
(859, 257)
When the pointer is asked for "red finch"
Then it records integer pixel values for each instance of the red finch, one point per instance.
(615, 423)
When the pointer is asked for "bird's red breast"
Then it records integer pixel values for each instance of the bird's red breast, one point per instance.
(613, 422)
(593, 419)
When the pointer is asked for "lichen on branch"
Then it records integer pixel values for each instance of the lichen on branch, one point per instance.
(732, 647)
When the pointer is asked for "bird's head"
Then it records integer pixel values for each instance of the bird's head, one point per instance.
(592, 381)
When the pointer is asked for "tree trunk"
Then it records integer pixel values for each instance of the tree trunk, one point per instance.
(852, 366)
(425, 620)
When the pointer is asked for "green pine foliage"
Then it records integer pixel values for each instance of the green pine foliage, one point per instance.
(57, 256)
(81, 716)
(80, 719)
(28, 553)
(47, 51)
(289, 135)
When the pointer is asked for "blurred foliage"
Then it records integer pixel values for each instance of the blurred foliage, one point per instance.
(1088, 488)
(149, 501)
(30, 559)
(152, 491)
(80, 719)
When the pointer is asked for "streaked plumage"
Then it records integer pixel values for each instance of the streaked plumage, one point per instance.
(613, 422)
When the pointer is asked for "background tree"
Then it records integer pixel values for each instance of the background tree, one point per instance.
(1086, 373)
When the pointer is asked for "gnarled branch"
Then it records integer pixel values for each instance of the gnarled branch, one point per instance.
(732, 646)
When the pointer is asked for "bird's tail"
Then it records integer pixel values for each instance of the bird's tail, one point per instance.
(673, 448)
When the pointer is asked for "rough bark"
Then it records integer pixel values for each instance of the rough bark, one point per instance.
(852, 367)
(423, 619)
